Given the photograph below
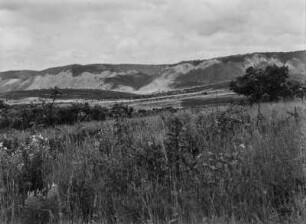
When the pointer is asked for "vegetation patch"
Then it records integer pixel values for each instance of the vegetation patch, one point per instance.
(239, 164)
(90, 94)
(217, 100)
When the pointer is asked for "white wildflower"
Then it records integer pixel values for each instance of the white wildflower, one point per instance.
(242, 146)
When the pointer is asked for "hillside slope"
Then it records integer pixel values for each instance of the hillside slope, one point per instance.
(145, 79)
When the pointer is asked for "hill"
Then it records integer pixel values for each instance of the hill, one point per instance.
(148, 79)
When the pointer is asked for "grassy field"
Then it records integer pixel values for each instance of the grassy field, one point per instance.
(95, 94)
(72, 94)
(216, 100)
(187, 98)
(226, 164)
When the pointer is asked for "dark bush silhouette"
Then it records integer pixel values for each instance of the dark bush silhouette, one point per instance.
(50, 114)
(270, 84)
(3, 105)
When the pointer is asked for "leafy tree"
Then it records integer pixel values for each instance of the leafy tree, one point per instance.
(270, 84)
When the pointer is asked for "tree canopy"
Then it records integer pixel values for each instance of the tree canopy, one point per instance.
(268, 84)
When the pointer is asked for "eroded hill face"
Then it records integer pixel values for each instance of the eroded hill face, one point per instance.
(145, 79)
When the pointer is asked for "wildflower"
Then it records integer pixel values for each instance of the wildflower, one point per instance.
(53, 192)
(242, 146)
(2, 146)
(97, 144)
(20, 166)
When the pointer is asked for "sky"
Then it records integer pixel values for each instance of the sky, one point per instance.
(38, 34)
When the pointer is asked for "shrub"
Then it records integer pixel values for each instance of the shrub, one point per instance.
(3, 105)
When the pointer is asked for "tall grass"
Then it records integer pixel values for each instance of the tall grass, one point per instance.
(231, 165)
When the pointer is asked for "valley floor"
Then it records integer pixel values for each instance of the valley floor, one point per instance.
(179, 100)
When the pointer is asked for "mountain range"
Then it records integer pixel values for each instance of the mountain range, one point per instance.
(148, 79)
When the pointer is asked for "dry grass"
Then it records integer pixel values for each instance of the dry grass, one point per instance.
(215, 165)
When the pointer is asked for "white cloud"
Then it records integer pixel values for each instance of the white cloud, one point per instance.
(36, 34)
(14, 39)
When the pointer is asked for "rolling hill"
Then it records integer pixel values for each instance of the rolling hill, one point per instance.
(148, 79)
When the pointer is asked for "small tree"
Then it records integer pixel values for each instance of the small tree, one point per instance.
(270, 84)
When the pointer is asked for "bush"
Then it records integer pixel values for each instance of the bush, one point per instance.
(270, 84)
(49, 114)
(3, 105)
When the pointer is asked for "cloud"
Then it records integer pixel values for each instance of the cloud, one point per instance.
(14, 39)
(36, 34)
